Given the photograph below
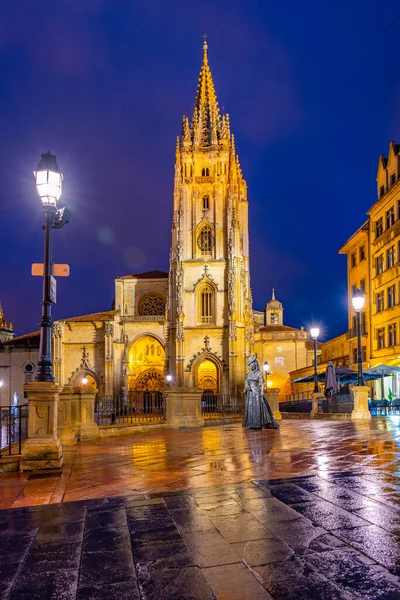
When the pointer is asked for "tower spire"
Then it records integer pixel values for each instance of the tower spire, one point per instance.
(206, 118)
(273, 294)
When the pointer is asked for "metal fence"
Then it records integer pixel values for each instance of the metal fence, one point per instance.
(222, 405)
(14, 429)
(297, 396)
(384, 408)
(340, 403)
(136, 407)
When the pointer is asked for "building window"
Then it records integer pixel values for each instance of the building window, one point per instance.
(362, 253)
(205, 241)
(274, 319)
(381, 191)
(390, 217)
(378, 227)
(353, 260)
(206, 202)
(380, 302)
(390, 257)
(363, 355)
(362, 286)
(206, 304)
(205, 172)
(379, 266)
(279, 361)
(354, 290)
(391, 296)
(392, 178)
(380, 337)
(363, 324)
(392, 335)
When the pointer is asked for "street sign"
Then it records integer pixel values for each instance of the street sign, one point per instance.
(53, 289)
(57, 270)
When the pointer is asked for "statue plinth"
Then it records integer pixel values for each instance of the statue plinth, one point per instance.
(183, 407)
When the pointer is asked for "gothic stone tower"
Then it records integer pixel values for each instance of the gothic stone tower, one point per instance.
(210, 318)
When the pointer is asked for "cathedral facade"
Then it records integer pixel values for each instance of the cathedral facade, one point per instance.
(194, 324)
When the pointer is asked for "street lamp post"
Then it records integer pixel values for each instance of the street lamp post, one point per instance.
(358, 302)
(266, 372)
(49, 186)
(314, 331)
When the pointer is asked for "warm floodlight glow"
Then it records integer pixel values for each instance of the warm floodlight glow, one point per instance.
(358, 302)
(48, 179)
(84, 380)
(269, 384)
(314, 332)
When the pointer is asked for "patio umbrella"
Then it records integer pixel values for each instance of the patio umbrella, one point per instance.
(380, 372)
(330, 382)
(343, 376)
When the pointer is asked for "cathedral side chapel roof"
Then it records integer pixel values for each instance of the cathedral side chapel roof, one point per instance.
(278, 328)
(100, 316)
(147, 275)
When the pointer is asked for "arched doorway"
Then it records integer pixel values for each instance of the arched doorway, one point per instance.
(146, 364)
(207, 376)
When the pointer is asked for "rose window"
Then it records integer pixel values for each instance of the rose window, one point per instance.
(152, 305)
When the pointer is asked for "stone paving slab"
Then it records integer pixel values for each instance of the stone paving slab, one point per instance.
(304, 538)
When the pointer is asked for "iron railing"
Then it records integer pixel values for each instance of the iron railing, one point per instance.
(222, 405)
(339, 403)
(136, 407)
(296, 406)
(384, 408)
(14, 428)
(296, 396)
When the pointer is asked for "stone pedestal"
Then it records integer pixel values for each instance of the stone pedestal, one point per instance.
(183, 408)
(314, 405)
(65, 432)
(272, 396)
(361, 410)
(42, 449)
(82, 413)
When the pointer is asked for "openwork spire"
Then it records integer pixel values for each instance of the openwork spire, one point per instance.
(206, 120)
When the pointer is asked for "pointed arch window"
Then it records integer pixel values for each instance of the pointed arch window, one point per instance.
(205, 172)
(206, 202)
(205, 241)
(206, 301)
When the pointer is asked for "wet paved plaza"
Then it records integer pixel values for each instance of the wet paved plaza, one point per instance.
(310, 511)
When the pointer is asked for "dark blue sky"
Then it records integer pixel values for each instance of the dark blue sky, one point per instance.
(313, 92)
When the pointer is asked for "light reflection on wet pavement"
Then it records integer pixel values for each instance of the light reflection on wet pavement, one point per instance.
(310, 511)
(213, 456)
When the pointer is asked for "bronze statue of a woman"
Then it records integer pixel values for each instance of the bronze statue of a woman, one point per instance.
(258, 414)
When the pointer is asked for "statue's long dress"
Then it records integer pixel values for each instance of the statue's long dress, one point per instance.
(258, 414)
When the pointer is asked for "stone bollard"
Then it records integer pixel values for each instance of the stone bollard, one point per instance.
(42, 449)
(82, 410)
(361, 410)
(183, 408)
(272, 396)
(314, 405)
(65, 432)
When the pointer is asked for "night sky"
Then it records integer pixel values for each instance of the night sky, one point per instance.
(313, 92)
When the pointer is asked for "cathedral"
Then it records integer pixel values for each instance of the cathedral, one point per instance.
(193, 327)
